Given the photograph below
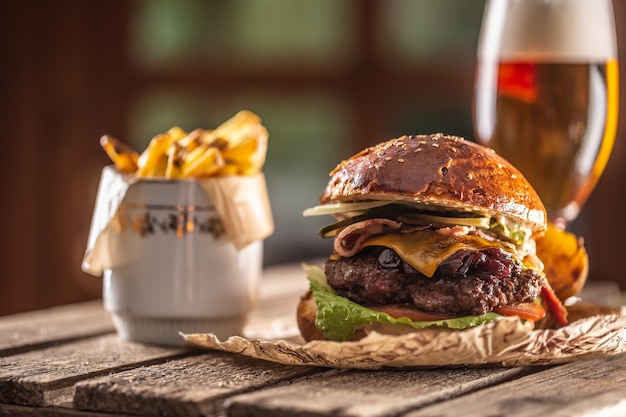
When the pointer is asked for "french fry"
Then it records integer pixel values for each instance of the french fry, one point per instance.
(122, 155)
(153, 161)
(249, 155)
(236, 147)
(192, 140)
(229, 169)
(196, 153)
(236, 129)
(218, 143)
(207, 162)
(175, 161)
(176, 133)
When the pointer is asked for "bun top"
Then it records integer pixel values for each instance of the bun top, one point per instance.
(445, 172)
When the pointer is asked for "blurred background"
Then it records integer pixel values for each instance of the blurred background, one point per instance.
(327, 77)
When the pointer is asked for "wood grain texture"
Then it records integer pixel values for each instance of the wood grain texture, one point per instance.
(101, 375)
(36, 329)
(193, 386)
(23, 411)
(46, 376)
(584, 388)
(372, 393)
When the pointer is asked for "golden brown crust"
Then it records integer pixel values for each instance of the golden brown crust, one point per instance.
(306, 312)
(307, 309)
(565, 261)
(445, 171)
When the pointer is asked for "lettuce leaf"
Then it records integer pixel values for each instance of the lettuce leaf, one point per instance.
(338, 318)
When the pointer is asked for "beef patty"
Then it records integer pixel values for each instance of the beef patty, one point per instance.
(468, 282)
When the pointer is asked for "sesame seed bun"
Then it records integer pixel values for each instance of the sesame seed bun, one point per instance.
(445, 172)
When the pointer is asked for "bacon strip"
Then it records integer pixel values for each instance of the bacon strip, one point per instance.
(348, 241)
(552, 302)
(454, 231)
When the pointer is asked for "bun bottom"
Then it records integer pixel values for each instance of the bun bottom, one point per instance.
(307, 311)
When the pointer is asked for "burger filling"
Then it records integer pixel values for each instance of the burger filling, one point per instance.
(339, 318)
(468, 282)
(427, 270)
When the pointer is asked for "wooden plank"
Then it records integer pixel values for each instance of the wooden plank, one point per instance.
(583, 388)
(193, 386)
(23, 411)
(372, 393)
(46, 377)
(36, 329)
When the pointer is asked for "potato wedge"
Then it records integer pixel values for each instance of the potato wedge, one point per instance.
(565, 259)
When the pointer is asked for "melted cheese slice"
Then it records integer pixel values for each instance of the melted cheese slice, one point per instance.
(424, 250)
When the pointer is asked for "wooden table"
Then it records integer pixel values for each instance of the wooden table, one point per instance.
(68, 361)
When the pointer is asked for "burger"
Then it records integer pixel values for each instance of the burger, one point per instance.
(430, 232)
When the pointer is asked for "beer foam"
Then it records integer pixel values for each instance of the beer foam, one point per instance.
(548, 30)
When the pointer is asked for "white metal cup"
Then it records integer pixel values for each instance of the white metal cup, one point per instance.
(173, 269)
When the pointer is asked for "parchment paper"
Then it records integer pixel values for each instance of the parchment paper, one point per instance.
(241, 202)
(504, 342)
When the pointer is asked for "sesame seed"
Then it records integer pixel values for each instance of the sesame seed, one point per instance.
(513, 176)
(435, 145)
(400, 160)
(453, 149)
(470, 176)
(388, 158)
(418, 150)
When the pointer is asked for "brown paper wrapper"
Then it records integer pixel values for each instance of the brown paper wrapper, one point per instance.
(504, 342)
(241, 202)
(243, 206)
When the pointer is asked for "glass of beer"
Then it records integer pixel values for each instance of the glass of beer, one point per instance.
(546, 94)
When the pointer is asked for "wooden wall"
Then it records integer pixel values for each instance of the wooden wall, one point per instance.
(64, 82)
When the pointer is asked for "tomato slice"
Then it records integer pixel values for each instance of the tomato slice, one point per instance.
(526, 311)
(411, 312)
